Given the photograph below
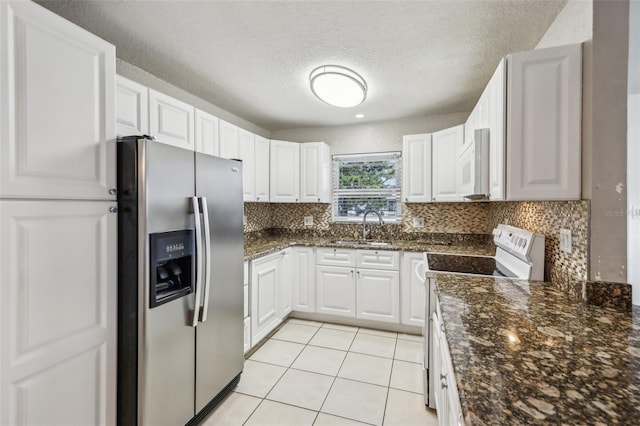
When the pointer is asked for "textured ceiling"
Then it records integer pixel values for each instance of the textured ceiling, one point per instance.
(254, 58)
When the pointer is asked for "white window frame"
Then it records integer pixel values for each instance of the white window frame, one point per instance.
(395, 192)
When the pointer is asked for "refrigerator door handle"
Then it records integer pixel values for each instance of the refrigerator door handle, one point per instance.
(199, 255)
(207, 260)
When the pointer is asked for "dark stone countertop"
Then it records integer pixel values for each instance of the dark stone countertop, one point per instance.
(529, 353)
(258, 247)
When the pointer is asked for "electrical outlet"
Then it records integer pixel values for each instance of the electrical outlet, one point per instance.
(418, 222)
(565, 240)
(244, 219)
(308, 221)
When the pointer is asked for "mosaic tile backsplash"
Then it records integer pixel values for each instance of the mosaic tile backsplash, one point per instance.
(546, 217)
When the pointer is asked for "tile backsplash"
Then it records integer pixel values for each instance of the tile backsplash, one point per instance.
(546, 217)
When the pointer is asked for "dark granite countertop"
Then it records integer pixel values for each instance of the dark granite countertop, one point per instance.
(258, 247)
(528, 353)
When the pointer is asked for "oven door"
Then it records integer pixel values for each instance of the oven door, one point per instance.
(427, 344)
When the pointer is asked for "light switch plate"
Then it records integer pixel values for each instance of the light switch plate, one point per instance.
(418, 222)
(308, 221)
(565, 240)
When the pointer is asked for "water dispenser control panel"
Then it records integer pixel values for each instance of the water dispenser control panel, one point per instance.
(172, 266)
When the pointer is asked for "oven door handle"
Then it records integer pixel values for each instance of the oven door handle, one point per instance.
(199, 255)
(419, 275)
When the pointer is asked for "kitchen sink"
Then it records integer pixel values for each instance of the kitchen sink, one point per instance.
(362, 243)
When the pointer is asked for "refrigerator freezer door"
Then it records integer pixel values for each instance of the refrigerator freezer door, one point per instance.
(219, 339)
(167, 349)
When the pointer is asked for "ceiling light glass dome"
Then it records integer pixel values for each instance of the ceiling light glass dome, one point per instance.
(338, 86)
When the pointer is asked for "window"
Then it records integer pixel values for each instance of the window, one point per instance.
(364, 182)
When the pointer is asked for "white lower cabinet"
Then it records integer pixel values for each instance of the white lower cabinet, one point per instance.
(377, 294)
(285, 296)
(446, 391)
(412, 290)
(58, 314)
(336, 291)
(264, 296)
(247, 334)
(303, 279)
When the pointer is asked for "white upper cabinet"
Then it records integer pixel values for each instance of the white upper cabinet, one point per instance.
(496, 124)
(315, 173)
(57, 107)
(246, 153)
(445, 145)
(229, 134)
(416, 168)
(132, 108)
(544, 90)
(207, 133)
(285, 172)
(261, 169)
(171, 121)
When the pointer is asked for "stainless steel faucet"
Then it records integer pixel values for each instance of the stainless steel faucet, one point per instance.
(365, 231)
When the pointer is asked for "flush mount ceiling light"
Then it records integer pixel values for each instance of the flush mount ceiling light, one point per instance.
(338, 86)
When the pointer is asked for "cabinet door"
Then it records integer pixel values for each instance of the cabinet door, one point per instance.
(264, 296)
(171, 121)
(285, 283)
(437, 367)
(261, 169)
(304, 279)
(336, 291)
(315, 173)
(412, 290)
(207, 133)
(246, 153)
(132, 108)
(285, 172)
(58, 312)
(446, 144)
(57, 107)
(497, 123)
(378, 295)
(416, 168)
(544, 90)
(229, 134)
(247, 334)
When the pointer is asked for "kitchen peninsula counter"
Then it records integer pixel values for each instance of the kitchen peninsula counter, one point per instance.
(529, 353)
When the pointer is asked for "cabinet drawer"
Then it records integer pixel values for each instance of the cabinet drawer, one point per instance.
(378, 259)
(246, 301)
(336, 257)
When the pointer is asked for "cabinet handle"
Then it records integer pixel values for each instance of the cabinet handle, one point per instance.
(443, 376)
(318, 199)
(444, 385)
(113, 209)
(442, 327)
(358, 272)
(352, 272)
(296, 199)
(406, 199)
(113, 191)
(257, 198)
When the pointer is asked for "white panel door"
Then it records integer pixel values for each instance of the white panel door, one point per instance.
(246, 153)
(412, 290)
(229, 134)
(171, 121)
(285, 283)
(264, 296)
(132, 108)
(378, 295)
(497, 123)
(315, 173)
(445, 145)
(58, 312)
(285, 172)
(207, 133)
(261, 169)
(57, 107)
(247, 334)
(416, 168)
(303, 279)
(336, 291)
(543, 124)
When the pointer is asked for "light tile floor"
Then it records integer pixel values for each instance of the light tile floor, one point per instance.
(313, 373)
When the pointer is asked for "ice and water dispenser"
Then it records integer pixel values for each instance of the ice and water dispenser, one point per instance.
(172, 263)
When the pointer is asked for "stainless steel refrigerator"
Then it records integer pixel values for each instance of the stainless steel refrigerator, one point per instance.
(180, 319)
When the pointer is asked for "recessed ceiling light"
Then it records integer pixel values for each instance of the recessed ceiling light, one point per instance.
(338, 86)
(359, 115)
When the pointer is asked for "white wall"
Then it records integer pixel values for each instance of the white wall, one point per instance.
(574, 24)
(377, 136)
(633, 152)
